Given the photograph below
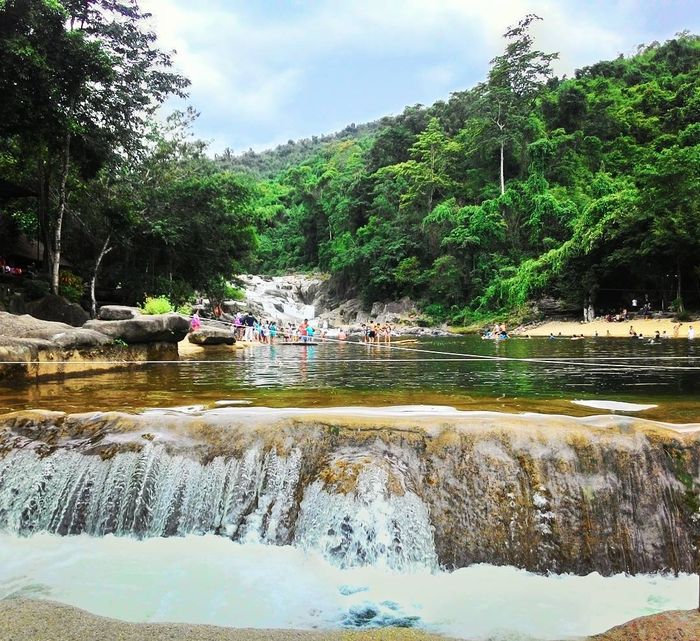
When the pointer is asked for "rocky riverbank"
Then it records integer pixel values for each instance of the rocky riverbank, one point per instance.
(34, 349)
(33, 620)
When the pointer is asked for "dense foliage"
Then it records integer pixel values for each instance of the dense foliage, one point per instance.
(270, 162)
(525, 186)
(103, 186)
(581, 189)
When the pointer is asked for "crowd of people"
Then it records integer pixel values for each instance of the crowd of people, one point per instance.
(636, 311)
(632, 333)
(248, 328)
(374, 333)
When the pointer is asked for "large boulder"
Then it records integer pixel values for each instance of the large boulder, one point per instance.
(548, 306)
(159, 328)
(207, 335)
(57, 308)
(403, 310)
(58, 334)
(117, 312)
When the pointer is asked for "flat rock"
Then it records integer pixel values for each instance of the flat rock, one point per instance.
(212, 336)
(159, 328)
(57, 334)
(117, 312)
(57, 308)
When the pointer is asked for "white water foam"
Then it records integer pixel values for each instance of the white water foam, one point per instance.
(209, 579)
(279, 297)
(251, 499)
(615, 405)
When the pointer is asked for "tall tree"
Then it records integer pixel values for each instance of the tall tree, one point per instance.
(427, 172)
(515, 79)
(91, 76)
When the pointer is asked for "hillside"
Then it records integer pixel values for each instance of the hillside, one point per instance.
(271, 162)
(524, 195)
(580, 189)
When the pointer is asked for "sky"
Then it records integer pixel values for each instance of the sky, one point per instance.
(267, 71)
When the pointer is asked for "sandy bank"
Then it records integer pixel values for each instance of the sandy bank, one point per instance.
(29, 620)
(602, 328)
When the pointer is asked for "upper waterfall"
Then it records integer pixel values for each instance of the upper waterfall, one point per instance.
(283, 298)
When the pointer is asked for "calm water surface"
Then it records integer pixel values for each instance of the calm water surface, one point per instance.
(412, 372)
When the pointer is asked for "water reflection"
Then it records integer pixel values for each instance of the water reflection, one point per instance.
(430, 370)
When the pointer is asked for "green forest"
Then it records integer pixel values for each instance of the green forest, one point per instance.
(581, 190)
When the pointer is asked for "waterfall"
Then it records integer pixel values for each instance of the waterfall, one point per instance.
(251, 499)
(280, 298)
(369, 526)
(548, 494)
(148, 493)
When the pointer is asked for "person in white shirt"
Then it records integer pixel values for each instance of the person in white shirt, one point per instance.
(691, 333)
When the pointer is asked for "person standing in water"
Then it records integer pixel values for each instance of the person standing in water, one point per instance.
(303, 330)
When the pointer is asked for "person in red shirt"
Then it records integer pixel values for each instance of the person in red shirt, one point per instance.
(302, 330)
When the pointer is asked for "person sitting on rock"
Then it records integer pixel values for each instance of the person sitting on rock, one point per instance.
(195, 321)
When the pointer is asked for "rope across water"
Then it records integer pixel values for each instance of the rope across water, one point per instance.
(585, 362)
(622, 362)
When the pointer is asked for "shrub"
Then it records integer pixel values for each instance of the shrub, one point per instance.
(175, 290)
(70, 286)
(219, 289)
(436, 312)
(157, 305)
(234, 293)
(185, 309)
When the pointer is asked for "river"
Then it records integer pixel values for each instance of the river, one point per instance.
(194, 503)
(434, 371)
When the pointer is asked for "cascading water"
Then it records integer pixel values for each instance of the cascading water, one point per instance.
(369, 526)
(148, 493)
(279, 297)
(357, 510)
(251, 499)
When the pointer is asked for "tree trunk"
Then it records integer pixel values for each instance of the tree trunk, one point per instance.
(103, 252)
(62, 199)
(43, 173)
(503, 181)
(679, 291)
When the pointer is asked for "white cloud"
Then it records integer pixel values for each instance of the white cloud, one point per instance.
(251, 70)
